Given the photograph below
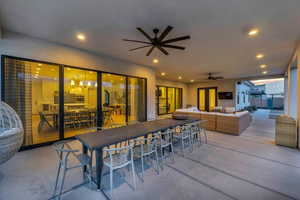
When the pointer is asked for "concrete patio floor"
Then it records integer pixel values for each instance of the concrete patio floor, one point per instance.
(228, 167)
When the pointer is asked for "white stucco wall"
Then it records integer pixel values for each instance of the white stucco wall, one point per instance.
(26, 47)
(242, 89)
(293, 93)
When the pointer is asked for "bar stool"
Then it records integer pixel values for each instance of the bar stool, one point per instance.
(143, 148)
(195, 133)
(64, 150)
(164, 140)
(118, 158)
(184, 136)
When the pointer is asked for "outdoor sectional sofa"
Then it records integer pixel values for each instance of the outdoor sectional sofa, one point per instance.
(231, 123)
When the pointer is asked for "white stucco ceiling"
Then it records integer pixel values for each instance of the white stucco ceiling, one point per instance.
(217, 28)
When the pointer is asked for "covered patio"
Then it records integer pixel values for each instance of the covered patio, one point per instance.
(228, 167)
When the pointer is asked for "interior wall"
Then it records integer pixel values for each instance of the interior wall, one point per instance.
(222, 85)
(19, 45)
(184, 87)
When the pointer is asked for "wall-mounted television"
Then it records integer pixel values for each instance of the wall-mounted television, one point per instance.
(225, 95)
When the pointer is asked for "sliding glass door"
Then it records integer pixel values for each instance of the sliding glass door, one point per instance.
(80, 101)
(207, 99)
(113, 100)
(168, 99)
(56, 101)
(136, 100)
(31, 88)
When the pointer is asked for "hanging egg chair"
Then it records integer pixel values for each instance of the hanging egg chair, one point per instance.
(11, 132)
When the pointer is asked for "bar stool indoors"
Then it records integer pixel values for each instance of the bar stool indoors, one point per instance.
(184, 137)
(64, 150)
(144, 148)
(118, 158)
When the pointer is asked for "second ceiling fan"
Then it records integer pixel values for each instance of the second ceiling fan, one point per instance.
(158, 41)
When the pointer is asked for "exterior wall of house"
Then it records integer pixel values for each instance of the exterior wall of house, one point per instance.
(222, 85)
(242, 92)
(26, 47)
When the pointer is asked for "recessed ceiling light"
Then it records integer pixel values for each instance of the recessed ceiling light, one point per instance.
(68, 69)
(40, 64)
(264, 72)
(253, 32)
(163, 73)
(263, 66)
(192, 81)
(80, 36)
(38, 68)
(260, 55)
(179, 77)
(155, 60)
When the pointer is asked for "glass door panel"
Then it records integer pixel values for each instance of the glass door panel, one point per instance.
(171, 100)
(201, 98)
(178, 98)
(136, 100)
(113, 100)
(80, 101)
(162, 100)
(212, 98)
(31, 89)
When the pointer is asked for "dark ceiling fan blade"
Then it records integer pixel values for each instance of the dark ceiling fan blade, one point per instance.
(140, 47)
(150, 51)
(165, 33)
(144, 33)
(177, 39)
(137, 41)
(219, 77)
(173, 46)
(162, 50)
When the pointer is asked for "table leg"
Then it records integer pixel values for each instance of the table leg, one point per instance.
(84, 151)
(99, 166)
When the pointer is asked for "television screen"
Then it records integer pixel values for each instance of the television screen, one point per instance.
(225, 95)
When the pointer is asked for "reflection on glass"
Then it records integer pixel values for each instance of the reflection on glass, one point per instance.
(80, 101)
(136, 100)
(162, 100)
(178, 98)
(202, 99)
(171, 100)
(30, 88)
(113, 100)
(212, 99)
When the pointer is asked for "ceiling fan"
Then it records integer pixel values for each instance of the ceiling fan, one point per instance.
(211, 77)
(158, 41)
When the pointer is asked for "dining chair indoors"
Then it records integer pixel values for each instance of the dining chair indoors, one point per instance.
(64, 151)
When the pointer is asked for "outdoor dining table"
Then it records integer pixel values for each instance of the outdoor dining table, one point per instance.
(96, 141)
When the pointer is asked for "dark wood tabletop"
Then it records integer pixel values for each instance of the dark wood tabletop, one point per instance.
(100, 139)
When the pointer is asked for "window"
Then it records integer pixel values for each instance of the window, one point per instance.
(168, 99)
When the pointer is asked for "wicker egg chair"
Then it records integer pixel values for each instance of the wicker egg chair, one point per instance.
(11, 132)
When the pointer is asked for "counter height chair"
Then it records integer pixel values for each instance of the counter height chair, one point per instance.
(117, 158)
(202, 130)
(184, 137)
(64, 151)
(164, 140)
(143, 148)
(195, 133)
